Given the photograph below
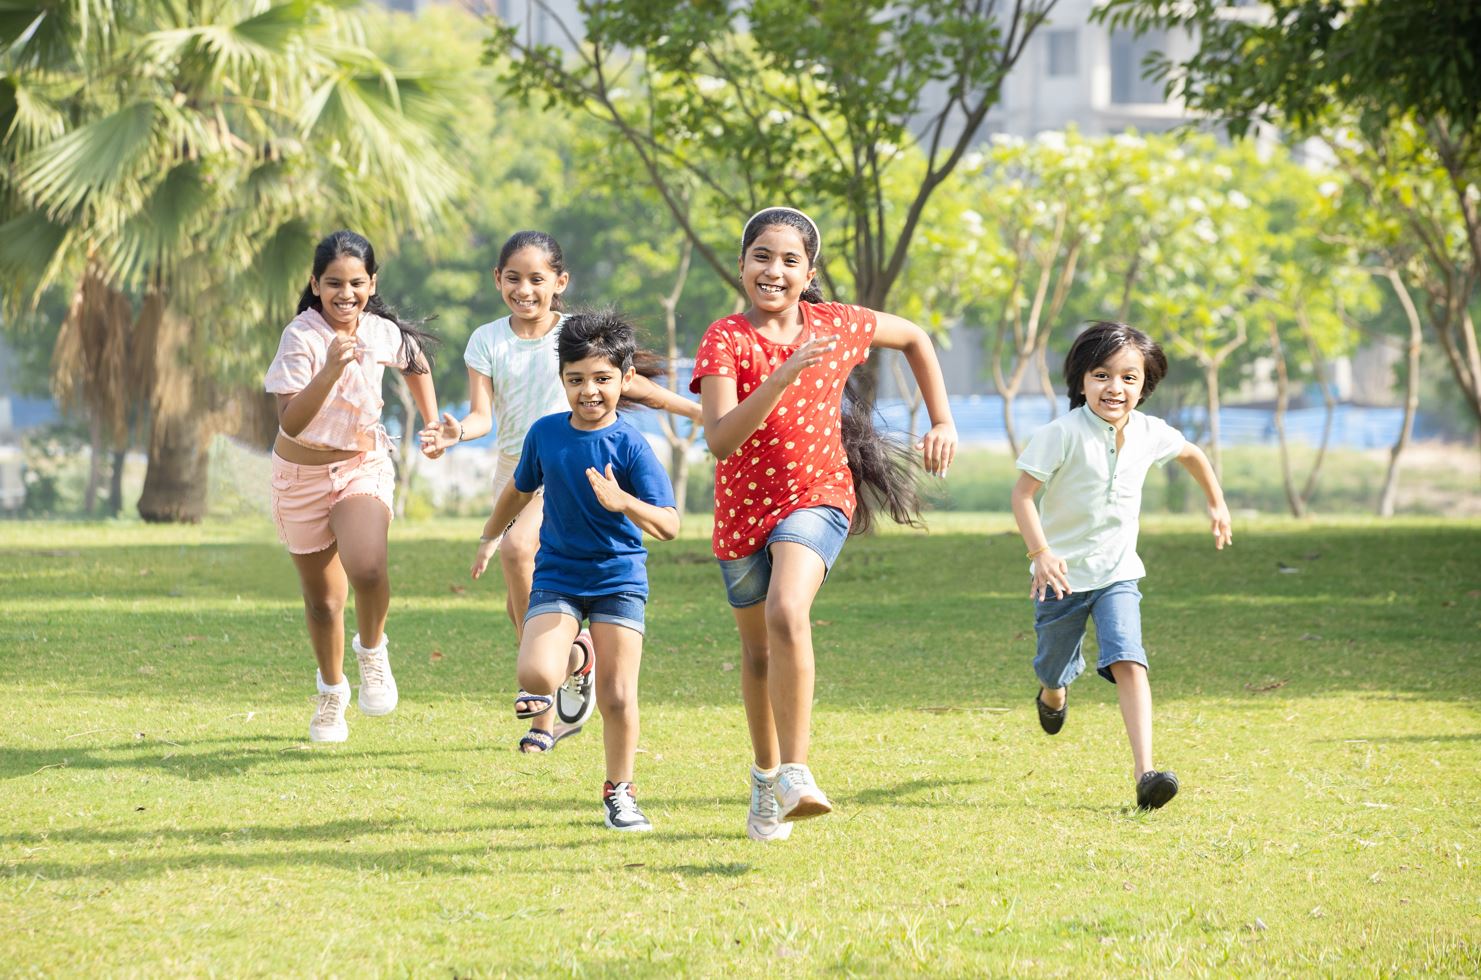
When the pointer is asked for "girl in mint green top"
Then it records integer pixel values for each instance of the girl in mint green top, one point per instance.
(1081, 538)
(514, 377)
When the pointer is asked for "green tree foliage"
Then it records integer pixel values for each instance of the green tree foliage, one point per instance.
(734, 105)
(170, 165)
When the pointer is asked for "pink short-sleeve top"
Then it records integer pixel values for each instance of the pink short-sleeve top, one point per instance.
(350, 418)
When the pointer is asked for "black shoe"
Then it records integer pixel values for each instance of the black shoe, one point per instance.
(1155, 789)
(622, 808)
(1051, 720)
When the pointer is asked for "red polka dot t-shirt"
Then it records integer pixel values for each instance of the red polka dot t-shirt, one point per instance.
(795, 459)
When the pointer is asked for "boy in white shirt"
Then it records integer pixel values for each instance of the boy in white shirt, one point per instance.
(1082, 537)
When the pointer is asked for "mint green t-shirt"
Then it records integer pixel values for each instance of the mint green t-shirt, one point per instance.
(525, 375)
(1092, 500)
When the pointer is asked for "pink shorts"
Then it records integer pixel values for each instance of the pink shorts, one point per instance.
(303, 496)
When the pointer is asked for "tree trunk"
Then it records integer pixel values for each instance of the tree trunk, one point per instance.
(1319, 367)
(115, 482)
(408, 458)
(1211, 383)
(94, 464)
(1388, 496)
(1046, 381)
(179, 466)
(1282, 398)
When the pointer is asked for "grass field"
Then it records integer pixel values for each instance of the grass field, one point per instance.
(1316, 690)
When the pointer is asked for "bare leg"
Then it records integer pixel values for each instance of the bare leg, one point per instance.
(325, 589)
(1135, 695)
(517, 559)
(545, 655)
(620, 651)
(751, 622)
(796, 574)
(360, 525)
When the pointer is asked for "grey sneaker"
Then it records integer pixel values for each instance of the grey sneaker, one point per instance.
(622, 811)
(328, 722)
(798, 797)
(763, 822)
(378, 694)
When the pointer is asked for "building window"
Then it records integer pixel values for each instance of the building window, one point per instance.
(1128, 53)
(1064, 55)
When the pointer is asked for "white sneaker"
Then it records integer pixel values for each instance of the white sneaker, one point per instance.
(798, 797)
(762, 822)
(328, 722)
(377, 687)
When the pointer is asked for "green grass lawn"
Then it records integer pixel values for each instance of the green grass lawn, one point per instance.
(1316, 690)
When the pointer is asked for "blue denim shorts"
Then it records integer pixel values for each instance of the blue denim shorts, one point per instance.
(618, 608)
(1060, 624)
(823, 529)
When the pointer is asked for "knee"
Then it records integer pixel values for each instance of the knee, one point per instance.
(787, 620)
(754, 658)
(367, 577)
(617, 701)
(324, 609)
(533, 679)
(517, 554)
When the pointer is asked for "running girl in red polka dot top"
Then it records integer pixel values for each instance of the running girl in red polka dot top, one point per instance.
(791, 453)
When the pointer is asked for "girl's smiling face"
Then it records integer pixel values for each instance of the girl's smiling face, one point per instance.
(775, 269)
(530, 284)
(1114, 388)
(344, 290)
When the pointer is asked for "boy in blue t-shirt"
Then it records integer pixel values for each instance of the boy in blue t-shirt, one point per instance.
(604, 487)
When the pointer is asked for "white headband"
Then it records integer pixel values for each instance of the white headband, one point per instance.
(817, 237)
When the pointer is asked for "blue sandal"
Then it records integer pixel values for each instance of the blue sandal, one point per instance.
(538, 740)
(542, 699)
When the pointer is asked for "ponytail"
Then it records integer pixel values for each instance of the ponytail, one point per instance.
(883, 469)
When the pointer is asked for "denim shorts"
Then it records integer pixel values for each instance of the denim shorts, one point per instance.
(1060, 624)
(618, 608)
(823, 529)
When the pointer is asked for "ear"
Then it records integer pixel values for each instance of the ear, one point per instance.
(627, 377)
(314, 285)
(372, 285)
(562, 282)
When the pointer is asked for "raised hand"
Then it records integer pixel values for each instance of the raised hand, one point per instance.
(341, 352)
(811, 353)
(609, 494)
(436, 438)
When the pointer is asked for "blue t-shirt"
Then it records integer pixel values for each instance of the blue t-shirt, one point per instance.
(586, 549)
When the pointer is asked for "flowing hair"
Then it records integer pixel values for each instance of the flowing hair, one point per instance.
(884, 470)
(416, 343)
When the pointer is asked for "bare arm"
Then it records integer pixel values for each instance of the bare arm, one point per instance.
(438, 436)
(506, 509)
(424, 394)
(661, 522)
(1202, 471)
(1049, 570)
(646, 392)
(897, 333)
(729, 422)
(297, 410)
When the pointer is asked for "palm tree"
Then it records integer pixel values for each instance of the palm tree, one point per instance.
(183, 155)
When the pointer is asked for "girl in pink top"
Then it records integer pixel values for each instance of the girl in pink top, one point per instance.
(332, 477)
(791, 452)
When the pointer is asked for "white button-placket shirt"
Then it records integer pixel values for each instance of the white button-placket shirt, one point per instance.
(1093, 493)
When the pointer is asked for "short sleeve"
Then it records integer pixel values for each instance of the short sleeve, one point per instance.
(1167, 442)
(293, 366)
(716, 355)
(649, 481)
(477, 355)
(1044, 454)
(528, 476)
(858, 322)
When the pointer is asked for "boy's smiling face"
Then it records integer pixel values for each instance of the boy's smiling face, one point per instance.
(593, 387)
(1114, 388)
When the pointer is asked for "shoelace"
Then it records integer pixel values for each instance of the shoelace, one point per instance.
(623, 802)
(328, 712)
(372, 669)
(763, 793)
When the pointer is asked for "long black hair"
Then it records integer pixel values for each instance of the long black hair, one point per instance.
(546, 243)
(416, 343)
(1097, 344)
(884, 470)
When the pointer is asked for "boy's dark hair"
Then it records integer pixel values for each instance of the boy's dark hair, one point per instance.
(545, 243)
(798, 222)
(413, 338)
(1097, 344)
(597, 333)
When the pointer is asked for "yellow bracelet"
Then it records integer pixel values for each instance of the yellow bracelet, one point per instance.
(1039, 551)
